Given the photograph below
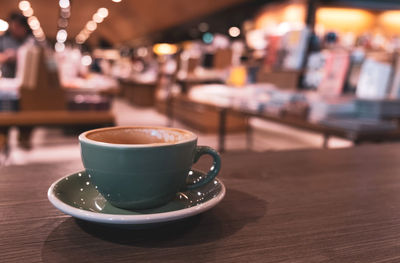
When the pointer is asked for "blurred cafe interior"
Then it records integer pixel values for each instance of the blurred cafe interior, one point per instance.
(244, 75)
(247, 76)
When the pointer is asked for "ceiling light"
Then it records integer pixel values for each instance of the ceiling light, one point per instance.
(116, 1)
(208, 38)
(61, 36)
(59, 47)
(80, 39)
(33, 22)
(3, 25)
(203, 27)
(86, 60)
(91, 26)
(103, 12)
(24, 5)
(35, 26)
(28, 12)
(97, 18)
(38, 33)
(32, 19)
(64, 3)
(142, 52)
(165, 49)
(65, 13)
(85, 31)
(234, 31)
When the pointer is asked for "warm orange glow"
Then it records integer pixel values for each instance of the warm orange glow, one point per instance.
(342, 20)
(345, 19)
(390, 17)
(294, 13)
(165, 49)
(187, 45)
(237, 76)
(390, 22)
(278, 13)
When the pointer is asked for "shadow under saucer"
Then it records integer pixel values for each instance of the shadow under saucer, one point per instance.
(205, 231)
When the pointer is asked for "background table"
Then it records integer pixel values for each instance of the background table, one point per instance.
(139, 93)
(296, 206)
(327, 132)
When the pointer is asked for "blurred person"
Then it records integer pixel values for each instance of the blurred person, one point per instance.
(17, 34)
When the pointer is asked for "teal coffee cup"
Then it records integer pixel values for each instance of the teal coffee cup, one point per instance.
(143, 167)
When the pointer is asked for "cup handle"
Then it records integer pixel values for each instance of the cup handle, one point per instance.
(202, 178)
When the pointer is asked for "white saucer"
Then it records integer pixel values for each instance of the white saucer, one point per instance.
(76, 196)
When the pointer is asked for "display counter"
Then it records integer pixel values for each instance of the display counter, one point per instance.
(139, 92)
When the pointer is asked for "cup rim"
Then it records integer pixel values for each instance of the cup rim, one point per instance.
(83, 137)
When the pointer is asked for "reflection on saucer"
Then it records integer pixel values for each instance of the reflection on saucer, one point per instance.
(76, 196)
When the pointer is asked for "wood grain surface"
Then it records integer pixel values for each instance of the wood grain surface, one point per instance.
(295, 206)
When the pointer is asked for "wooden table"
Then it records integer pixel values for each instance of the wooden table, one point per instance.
(201, 117)
(293, 206)
(327, 132)
(296, 122)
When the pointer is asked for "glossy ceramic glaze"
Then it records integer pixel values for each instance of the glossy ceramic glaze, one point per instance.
(77, 196)
(147, 173)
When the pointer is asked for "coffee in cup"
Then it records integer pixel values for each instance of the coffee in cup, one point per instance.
(143, 167)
